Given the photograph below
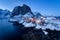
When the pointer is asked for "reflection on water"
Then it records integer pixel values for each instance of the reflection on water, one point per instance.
(8, 30)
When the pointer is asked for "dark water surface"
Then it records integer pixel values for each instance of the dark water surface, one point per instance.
(8, 31)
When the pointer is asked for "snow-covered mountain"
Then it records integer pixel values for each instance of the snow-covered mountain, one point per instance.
(24, 15)
(4, 13)
(32, 25)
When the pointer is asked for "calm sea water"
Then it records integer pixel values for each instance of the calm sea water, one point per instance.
(8, 30)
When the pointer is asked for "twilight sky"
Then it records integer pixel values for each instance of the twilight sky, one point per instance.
(45, 7)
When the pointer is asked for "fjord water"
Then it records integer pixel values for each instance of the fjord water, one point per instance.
(7, 30)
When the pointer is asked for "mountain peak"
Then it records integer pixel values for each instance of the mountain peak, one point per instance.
(21, 10)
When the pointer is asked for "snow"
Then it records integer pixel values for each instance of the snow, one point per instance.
(21, 21)
(57, 28)
(13, 20)
(45, 32)
(49, 26)
(28, 24)
(37, 26)
(28, 15)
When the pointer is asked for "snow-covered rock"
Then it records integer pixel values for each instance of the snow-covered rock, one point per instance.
(45, 32)
(28, 15)
(28, 24)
